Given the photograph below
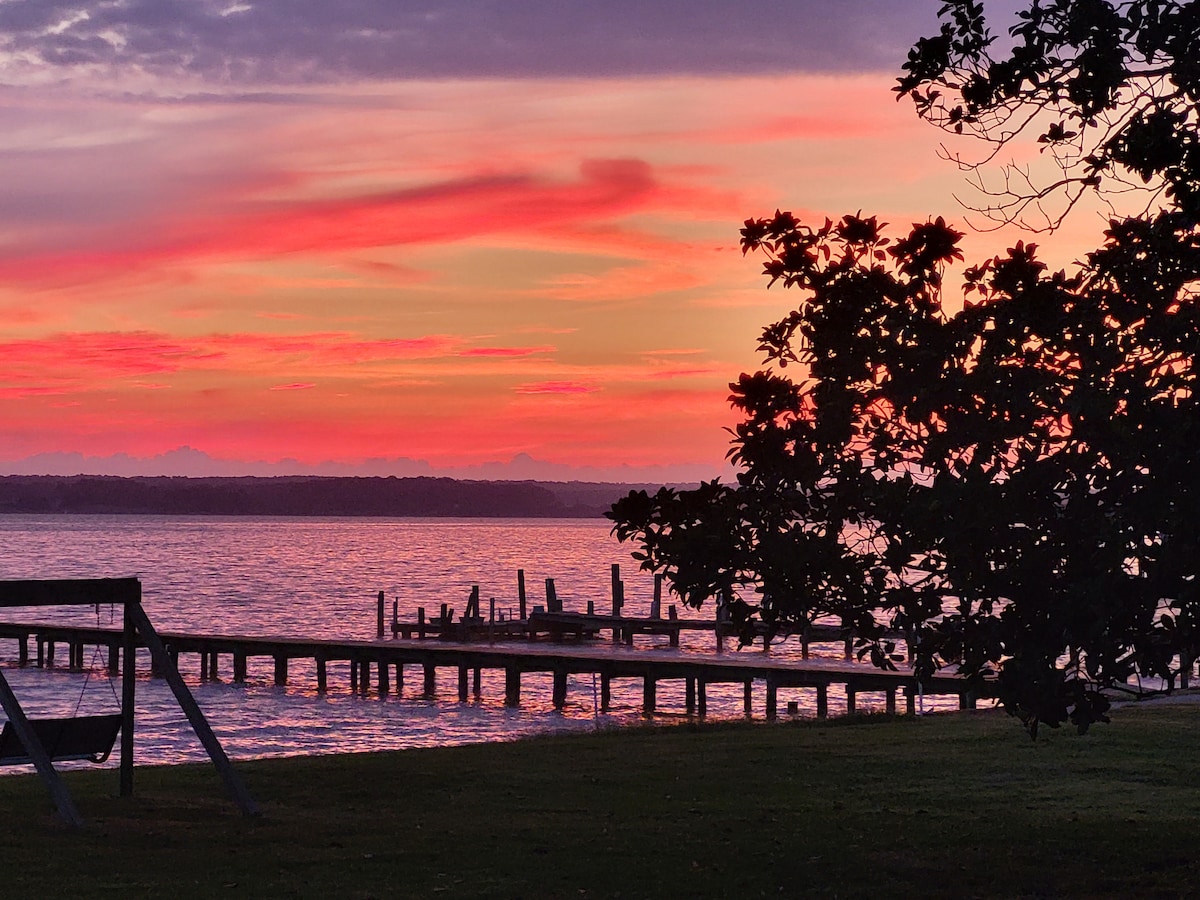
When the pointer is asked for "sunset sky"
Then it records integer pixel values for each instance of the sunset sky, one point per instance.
(433, 234)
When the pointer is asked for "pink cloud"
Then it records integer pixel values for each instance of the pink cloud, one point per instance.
(294, 386)
(434, 214)
(665, 374)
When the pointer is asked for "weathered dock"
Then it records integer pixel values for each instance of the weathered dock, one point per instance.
(552, 621)
(380, 666)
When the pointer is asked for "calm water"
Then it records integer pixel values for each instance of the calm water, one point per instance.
(320, 578)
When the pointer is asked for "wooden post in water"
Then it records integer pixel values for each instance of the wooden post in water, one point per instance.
(673, 615)
(521, 593)
(560, 688)
(399, 678)
(476, 687)
(472, 611)
(430, 681)
(395, 618)
(649, 692)
(379, 615)
(552, 602)
(851, 695)
(701, 698)
(322, 675)
(616, 589)
(463, 675)
(890, 702)
(719, 624)
(114, 658)
(748, 697)
(491, 621)
(384, 681)
(656, 603)
(421, 622)
(512, 686)
(689, 695)
(822, 701)
(772, 699)
(605, 692)
(23, 651)
(281, 667)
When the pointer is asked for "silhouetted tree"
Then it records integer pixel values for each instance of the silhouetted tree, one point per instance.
(1012, 482)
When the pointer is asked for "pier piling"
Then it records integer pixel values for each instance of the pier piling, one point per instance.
(512, 686)
(560, 688)
(521, 593)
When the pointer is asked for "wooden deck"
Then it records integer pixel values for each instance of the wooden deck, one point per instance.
(380, 665)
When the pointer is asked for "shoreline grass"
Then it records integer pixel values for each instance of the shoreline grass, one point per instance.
(941, 806)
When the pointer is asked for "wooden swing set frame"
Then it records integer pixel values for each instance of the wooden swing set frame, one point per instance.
(137, 630)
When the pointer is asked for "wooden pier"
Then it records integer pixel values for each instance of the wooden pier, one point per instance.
(380, 666)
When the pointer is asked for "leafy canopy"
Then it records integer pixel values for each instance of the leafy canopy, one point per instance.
(1110, 91)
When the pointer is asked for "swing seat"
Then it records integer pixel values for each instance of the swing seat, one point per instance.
(88, 738)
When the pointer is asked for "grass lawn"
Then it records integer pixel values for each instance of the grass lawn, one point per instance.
(946, 806)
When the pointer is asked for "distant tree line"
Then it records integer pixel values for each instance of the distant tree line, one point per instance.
(303, 496)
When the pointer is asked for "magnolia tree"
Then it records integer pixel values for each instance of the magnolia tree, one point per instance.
(1010, 481)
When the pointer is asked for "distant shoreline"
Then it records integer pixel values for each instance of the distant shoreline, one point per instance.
(306, 496)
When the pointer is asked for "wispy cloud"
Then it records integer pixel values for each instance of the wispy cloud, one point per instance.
(557, 387)
(294, 386)
(281, 42)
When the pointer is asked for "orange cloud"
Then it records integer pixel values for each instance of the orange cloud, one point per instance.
(507, 352)
(557, 387)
